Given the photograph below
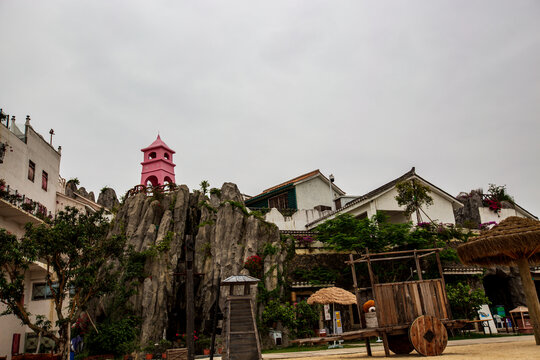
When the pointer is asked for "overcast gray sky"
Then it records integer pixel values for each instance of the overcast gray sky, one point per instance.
(259, 92)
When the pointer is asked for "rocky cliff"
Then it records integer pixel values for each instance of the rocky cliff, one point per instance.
(107, 198)
(225, 235)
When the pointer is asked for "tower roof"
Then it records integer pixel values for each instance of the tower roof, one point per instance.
(158, 143)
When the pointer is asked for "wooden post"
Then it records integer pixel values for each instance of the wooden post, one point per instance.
(378, 309)
(448, 310)
(418, 268)
(531, 296)
(190, 301)
(355, 284)
(214, 317)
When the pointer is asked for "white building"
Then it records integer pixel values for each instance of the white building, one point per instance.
(29, 167)
(297, 201)
(30, 190)
(384, 199)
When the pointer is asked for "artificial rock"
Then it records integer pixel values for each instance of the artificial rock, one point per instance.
(224, 234)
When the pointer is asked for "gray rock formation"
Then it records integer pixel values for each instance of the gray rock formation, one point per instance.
(71, 189)
(107, 198)
(503, 286)
(225, 236)
(85, 194)
(469, 214)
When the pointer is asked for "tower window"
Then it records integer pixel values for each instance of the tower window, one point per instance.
(151, 156)
(166, 156)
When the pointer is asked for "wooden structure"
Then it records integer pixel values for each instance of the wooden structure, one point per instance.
(521, 321)
(242, 338)
(177, 354)
(411, 315)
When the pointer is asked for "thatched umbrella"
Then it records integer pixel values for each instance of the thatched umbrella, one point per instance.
(515, 241)
(332, 295)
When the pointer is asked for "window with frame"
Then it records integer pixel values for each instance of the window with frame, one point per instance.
(44, 180)
(42, 291)
(31, 170)
(279, 202)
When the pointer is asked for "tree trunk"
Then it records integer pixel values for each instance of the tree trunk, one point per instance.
(531, 296)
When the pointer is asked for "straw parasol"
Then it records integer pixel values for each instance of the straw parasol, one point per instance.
(332, 295)
(515, 241)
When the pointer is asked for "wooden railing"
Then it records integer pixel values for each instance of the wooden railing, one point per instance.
(151, 190)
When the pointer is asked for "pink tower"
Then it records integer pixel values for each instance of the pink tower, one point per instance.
(157, 167)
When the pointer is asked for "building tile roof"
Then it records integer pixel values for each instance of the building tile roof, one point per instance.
(294, 181)
(380, 190)
(158, 143)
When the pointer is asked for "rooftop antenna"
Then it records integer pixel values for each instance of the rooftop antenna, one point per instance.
(52, 133)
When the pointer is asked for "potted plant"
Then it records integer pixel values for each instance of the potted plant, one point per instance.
(204, 343)
(150, 349)
(162, 347)
(219, 345)
(27, 206)
(3, 190)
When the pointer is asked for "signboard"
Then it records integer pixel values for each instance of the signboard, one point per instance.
(338, 329)
(327, 312)
(485, 314)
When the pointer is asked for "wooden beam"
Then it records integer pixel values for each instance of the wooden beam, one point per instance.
(383, 259)
(531, 296)
(403, 252)
(428, 254)
(361, 314)
(447, 304)
(418, 268)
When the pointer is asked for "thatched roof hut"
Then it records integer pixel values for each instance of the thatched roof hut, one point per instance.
(332, 295)
(514, 238)
(515, 241)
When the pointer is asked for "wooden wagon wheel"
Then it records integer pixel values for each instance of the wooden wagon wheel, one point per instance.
(400, 344)
(428, 335)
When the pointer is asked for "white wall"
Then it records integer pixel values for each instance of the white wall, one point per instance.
(14, 169)
(441, 210)
(10, 324)
(297, 221)
(486, 215)
(312, 193)
(16, 229)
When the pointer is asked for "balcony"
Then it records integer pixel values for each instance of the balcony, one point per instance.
(18, 208)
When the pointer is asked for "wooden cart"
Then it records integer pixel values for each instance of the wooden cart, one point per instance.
(411, 315)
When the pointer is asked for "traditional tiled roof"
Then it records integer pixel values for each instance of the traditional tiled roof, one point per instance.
(381, 190)
(158, 143)
(293, 181)
(240, 279)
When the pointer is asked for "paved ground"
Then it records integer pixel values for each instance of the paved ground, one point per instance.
(508, 347)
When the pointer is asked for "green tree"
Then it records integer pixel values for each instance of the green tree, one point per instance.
(204, 186)
(413, 194)
(347, 233)
(78, 258)
(464, 301)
